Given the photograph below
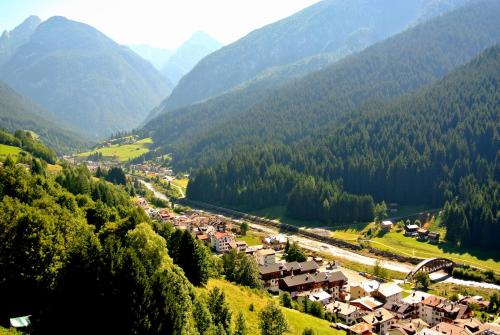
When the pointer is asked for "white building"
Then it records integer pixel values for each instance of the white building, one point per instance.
(222, 242)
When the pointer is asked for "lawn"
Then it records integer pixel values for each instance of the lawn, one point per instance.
(181, 182)
(239, 299)
(123, 152)
(6, 150)
(251, 239)
(409, 246)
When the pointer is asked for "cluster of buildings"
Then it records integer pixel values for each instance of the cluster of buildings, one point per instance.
(365, 308)
(371, 307)
(210, 229)
(152, 169)
(421, 234)
(375, 308)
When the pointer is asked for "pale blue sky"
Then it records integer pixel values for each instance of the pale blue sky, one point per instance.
(161, 23)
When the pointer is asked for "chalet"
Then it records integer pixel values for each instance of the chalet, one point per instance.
(407, 327)
(270, 273)
(445, 328)
(386, 225)
(380, 320)
(472, 325)
(411, 230)
(241, 245)
(388, 293)
(361, 328)
(434, 310)
(332, 282)
(402, 310)
(276, 242)
(368, 304)
(320, 296)
(222, 242)
(475, 301)
(422, 234)
(265, 257)
(344, 311)
(364, 289)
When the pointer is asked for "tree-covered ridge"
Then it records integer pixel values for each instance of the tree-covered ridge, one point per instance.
(414, 149)
(399, 65)
(26, 141)
(19, 112)
(81, 257)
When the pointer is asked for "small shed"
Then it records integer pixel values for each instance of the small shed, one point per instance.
(386, 225)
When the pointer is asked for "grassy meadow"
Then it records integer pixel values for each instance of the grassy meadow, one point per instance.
(8, 150)
(239, 299)
(123, 152)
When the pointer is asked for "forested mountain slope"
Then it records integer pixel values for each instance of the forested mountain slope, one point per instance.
(396, 66)
(84, 78)
(331, 28)
(423, 148)
(20, 113)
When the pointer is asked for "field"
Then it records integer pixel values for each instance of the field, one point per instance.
(123, 152)
(181, 182)
(396, 241)
(6, 150)
(409, 246)
(251, 239)
(240, 298)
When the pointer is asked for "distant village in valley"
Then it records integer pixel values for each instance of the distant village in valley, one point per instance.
(360, 304)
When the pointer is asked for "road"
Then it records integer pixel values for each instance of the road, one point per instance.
(313, 245)
(157, 194)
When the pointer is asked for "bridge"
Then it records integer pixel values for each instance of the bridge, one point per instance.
(430, 265)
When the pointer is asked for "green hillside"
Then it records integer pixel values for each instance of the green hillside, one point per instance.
(401, 64)
(416, 149)
(19, 112)
(239, 299)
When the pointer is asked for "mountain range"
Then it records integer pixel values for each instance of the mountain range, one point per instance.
(203, 133)
(174, 64)
(306, 41)
(86, 79)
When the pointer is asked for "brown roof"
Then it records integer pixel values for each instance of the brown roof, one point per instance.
(433, 301)
(361, 328)
(202, 237)
(450, 329)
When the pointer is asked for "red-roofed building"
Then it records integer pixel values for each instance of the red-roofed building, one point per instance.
(222, 242)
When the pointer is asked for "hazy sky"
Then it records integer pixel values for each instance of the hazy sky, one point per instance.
(161, 23)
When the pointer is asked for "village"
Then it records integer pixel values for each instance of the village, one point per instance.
(360, 304)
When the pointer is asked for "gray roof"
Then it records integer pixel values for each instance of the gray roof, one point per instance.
(314, 278)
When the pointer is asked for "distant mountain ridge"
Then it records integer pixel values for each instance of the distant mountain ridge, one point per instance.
(85, 78)
(183, 60)
(328, 30)
(21, 113)
(174, 64)
(10, 41)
